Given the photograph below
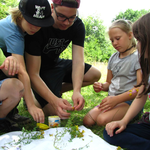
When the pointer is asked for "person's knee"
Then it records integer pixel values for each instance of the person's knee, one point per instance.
(96, 74)
(16, 88)
(15, 83)
(18, 83)
(93, 75)
(101, 120)
(88, 121)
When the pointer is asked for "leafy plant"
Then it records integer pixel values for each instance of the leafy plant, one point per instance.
(3, 11)
(97, 46)
(131, 15)
(26, 137)
(71, 127)
(5, 5)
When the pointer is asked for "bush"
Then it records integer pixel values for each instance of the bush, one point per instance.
(5, 5)
(97, 46)
(3, 11)
(131, 15)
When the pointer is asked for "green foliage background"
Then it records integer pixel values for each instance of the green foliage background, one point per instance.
(131, 15)
(97, 46)
(5, 5)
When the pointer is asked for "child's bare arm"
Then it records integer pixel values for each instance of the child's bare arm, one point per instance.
(131, 94)
(98, 86)
(111, 101)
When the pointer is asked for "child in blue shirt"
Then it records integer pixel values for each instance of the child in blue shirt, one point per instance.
(28, 19)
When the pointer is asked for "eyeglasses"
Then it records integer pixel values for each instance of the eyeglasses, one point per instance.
(63, 18)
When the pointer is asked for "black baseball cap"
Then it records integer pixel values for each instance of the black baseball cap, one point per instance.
(36, 12)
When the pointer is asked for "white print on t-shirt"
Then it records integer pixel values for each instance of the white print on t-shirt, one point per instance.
(57, 45)
(39, 12)
(117, 85)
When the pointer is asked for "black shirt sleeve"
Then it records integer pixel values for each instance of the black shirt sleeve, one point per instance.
(79, 33)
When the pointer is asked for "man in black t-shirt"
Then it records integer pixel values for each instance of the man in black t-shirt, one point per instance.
(50, 76)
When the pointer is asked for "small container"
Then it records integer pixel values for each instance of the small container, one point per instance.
(53, 121)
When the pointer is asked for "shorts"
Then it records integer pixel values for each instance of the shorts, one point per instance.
(129, 102)
(1, 81)
(54, 77)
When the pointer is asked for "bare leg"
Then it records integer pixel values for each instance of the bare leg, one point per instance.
(90, 77)
(102, 118)
(114, 114)
(91, 117)
(11, 92)
(49, 110)
(93, 75)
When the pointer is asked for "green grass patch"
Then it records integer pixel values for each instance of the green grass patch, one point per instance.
(91, 100)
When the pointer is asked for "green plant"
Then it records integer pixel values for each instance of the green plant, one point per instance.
(26, 137)
(91, 100)
(72, 128)
(3, 11)
(97, 46)
(131, 15)
(5, 5)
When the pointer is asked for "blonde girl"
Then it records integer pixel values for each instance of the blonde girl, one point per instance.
(123, 73)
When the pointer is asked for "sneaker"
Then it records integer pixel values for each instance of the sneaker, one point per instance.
(12, 122)
(19, 119)
(7, 126)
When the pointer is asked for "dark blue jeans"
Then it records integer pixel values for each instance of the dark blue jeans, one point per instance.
(134, 137)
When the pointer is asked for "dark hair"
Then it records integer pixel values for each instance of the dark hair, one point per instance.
(141, 31)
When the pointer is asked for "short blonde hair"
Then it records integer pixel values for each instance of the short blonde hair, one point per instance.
(16, 15)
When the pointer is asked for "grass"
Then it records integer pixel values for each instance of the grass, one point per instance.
(91, 100)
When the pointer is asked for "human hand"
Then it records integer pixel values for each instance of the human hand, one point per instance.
(97, 86)
(110, 127)
(11, 65)
(61, 106)
(78, 101)
(108, 103)
(37, 114)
